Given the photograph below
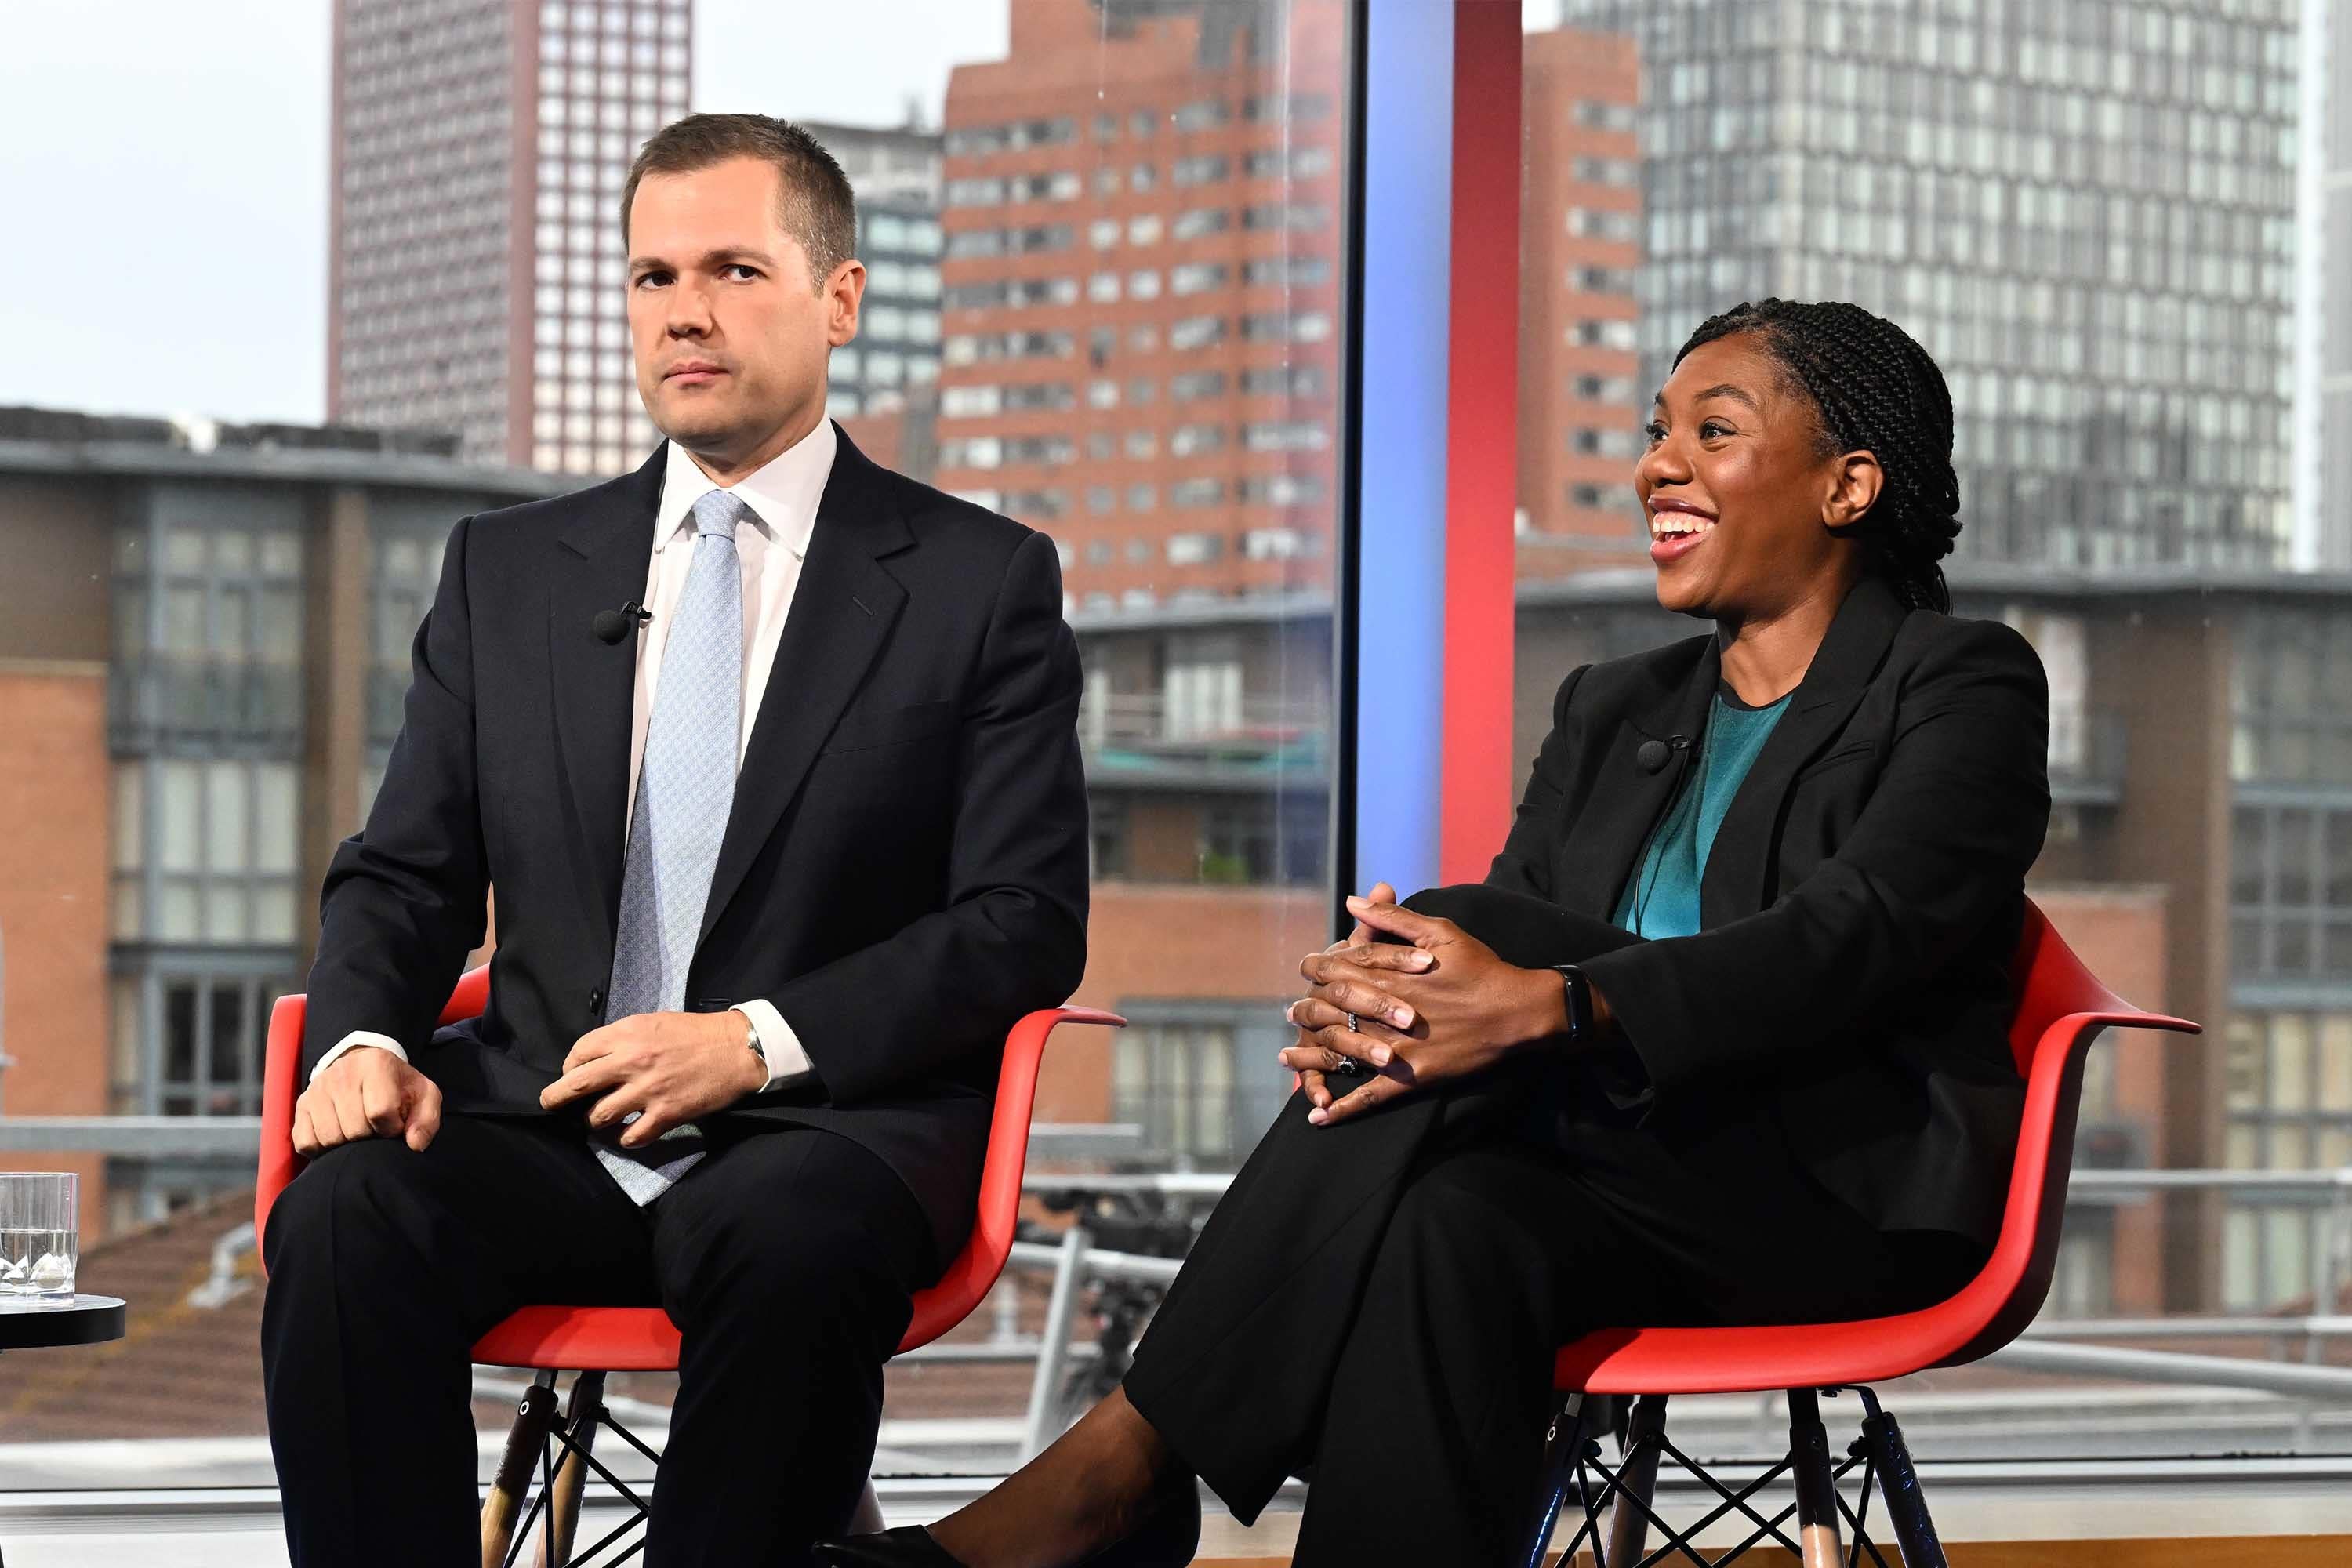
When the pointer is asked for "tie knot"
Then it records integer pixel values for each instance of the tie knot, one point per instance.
(718, 512)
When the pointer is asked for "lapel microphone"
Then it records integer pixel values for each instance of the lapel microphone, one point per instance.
(611, 626)
(1651, 756)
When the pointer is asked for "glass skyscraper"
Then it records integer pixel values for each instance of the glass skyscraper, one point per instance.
(2085, 209)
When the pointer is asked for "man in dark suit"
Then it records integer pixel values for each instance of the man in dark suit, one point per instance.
(771, 756)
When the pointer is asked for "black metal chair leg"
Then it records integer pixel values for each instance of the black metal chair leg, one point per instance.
(582, 1411)
(1817, 1503)
(1637, 1480)
(1907, 1509)
(1571, 1429)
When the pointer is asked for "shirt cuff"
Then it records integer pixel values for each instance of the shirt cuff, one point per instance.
(353, 1041)
(787, 1059)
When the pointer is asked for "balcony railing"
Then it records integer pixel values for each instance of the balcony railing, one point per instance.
(1145, 735)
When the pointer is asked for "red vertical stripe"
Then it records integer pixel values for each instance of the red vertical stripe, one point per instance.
(1481, 440)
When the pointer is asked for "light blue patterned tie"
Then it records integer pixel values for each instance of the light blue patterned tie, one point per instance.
(686, 786)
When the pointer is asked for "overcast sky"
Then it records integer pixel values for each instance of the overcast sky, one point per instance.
(163, 176)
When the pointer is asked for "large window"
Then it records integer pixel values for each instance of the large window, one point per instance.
(2124, 502)
(1105, 256)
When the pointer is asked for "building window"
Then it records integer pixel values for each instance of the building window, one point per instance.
(1610, 442)
(1200, 170)
(2290, 892)
(211, 1029)
(1201, 115)
(1196, 333)
(1196, 440)
(2288, 1099)
(1195, 1076)
(2291, 673)
(1194, 549)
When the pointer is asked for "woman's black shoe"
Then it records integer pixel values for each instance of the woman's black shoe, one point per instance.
(1169, 1539)
(909, 1546)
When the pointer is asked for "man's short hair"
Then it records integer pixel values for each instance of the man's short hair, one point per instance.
(814, 200)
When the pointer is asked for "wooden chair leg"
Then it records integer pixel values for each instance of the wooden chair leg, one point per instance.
(1817, 1503)
(534, 1419)
(1906, 1507)
(1637, 1481)
(581, 1414)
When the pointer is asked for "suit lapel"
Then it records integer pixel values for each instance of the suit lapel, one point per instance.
(1627, 800)
(1739, 865)
(842, 612)
(600, 564)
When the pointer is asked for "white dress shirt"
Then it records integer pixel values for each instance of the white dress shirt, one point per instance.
(770, 545)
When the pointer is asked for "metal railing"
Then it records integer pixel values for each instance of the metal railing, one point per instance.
(1149, 722)
(2294, 1368)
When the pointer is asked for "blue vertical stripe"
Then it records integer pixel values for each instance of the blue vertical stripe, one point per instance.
(1399, 629)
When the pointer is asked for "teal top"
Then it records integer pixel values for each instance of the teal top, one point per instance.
(1662, 896)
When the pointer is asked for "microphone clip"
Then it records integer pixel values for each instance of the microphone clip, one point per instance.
(611, 626)
(1652, 756)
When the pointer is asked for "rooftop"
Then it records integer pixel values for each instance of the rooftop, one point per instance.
(66, 441)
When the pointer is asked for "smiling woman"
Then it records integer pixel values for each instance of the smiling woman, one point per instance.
(1710, 1002)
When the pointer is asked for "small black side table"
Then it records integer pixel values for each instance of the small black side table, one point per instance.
(39, 1322)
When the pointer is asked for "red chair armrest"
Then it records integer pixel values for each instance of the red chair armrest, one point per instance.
(976, 1268)
(281, 1065)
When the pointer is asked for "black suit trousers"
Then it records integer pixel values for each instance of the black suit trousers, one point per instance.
(788, 1260)
(1375, 1305)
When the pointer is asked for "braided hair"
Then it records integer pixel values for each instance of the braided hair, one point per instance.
(1876, 389)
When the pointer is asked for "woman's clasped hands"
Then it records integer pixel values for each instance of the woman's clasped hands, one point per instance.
(1443, 1007)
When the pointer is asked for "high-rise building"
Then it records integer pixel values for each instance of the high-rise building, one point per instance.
(895, 173)
(476, 273)
(1143, 209)
(2323, 367)
(2085, 211)
(1580, 406)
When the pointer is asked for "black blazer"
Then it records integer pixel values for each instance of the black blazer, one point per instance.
(904, 873)
(1859, 908)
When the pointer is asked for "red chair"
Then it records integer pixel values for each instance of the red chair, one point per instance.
(594, 1341)
(2061, 1008)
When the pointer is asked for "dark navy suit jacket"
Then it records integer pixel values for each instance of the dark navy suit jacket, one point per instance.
(904, 872)
(1860, 906)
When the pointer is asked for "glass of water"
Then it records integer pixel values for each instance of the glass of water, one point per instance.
(40, 1232)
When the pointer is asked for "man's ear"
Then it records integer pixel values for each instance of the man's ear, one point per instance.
(845, 294)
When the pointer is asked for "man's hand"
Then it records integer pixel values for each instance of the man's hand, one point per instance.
(667, 1068)
(366, 1092)
(1443, 1009)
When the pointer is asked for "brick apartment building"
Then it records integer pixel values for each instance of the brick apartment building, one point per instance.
(1581, 403)
(197, 693)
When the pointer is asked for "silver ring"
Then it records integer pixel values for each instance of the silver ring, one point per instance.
(1354, 1027)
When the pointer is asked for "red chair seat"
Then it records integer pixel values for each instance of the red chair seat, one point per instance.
(2061, 1008)
(642, 1339)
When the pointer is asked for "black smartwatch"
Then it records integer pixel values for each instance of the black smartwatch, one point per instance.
(1579, 992)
